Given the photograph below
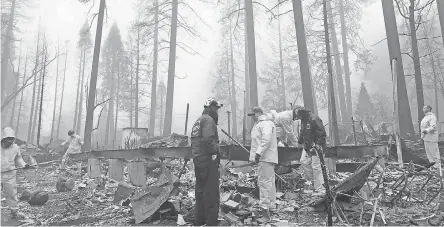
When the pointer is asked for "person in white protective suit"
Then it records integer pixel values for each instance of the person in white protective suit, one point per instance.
(284, 122)
(264, 152)
(75, 145)
(11, 159)
(430, 137)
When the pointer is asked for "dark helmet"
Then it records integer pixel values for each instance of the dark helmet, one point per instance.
(71, 132)
(26, 195)
(39, 198)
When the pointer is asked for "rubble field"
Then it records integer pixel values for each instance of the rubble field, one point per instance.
(385, 199)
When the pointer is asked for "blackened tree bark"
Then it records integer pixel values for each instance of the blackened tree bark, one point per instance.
(154, 79)
(171, 72)
(404, 115)
(307, 88)
(93, 81)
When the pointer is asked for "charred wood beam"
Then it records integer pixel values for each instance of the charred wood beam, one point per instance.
(232, 152)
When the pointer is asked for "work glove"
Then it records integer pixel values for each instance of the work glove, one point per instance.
(425, 131)
(257, 158)
(317, 147)
(27, 166)
(214, 156)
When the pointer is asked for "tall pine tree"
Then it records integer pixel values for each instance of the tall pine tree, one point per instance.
(364, 106)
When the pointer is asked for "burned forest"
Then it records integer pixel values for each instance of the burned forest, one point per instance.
(222, 113)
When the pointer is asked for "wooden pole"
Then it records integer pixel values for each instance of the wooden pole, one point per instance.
(244, 128)
(229, 123)
(354, 131)
(396, 111)
(186, 118)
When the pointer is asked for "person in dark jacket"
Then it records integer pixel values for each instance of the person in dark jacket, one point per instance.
(206, 159)
(312, 135)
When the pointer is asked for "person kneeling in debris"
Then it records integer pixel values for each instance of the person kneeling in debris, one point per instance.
(206, 159)
(264, 152)
(312, 135)
(75, 145)
(11, 159)
(430, 137)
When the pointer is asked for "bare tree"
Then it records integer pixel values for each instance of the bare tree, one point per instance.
(55, 91)
(42, 89)
(405, 117)
(63, 91)
(19, 115)
(408, 12)
(7, 49)
(171, 72)
(93, 81)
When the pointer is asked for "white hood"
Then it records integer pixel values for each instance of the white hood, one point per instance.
(8, 132)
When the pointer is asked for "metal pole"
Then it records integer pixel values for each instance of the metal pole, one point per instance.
(229, 124)
(186, 118)
(244, 128)
(396, 111)
(363, 132)
(354, 131)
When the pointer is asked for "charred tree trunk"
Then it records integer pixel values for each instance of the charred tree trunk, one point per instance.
(435, 83)
(440, 5)
(404, 116)
(34, 74)
(7, 50)
(247, 75)
(93, 81)
(171, 72)
(233, 88)
(33, 136)
(416, 62)
(254, 100)
(63, 92)
(345, 58)
(21, 97)
(281, 65)
(42, 91)
(14, 103)
(154, 79)
(333, 120)
(131, 93)
(117, 103)
(109, 122)
(76, 110)
(307, 88)
(136, 117)
(82, 85)
(55, 92)
(162, 97)
(338, 67)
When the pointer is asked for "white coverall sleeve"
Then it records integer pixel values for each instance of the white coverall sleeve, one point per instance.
(19, 162)
(432, 126)
(287, 126)
(266, 132)
(80, 141)
(64, 143)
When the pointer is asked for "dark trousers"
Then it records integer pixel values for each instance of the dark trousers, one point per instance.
(207, 192)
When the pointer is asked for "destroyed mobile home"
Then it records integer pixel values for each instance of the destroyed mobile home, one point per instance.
(159, 190)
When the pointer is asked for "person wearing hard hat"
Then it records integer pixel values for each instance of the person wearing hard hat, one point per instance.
(312, 138)
(75, 145)
(265, 153)
(206, 159)
(11, 159)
